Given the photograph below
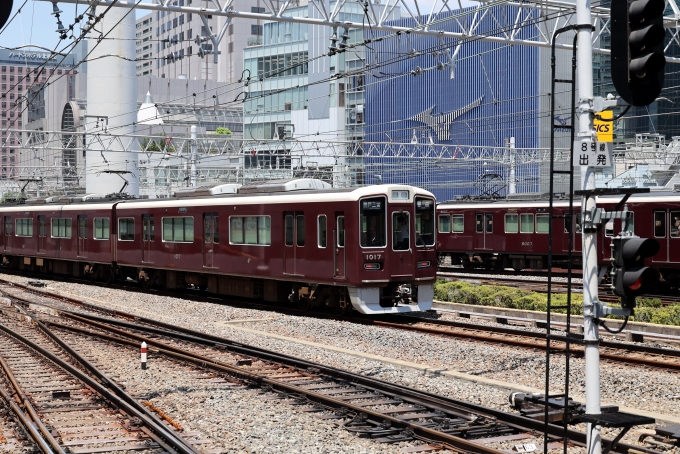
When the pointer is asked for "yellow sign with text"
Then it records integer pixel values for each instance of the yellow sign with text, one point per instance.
(604, 128)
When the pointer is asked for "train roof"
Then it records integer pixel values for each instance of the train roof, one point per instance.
(269, 192)
(538, 200)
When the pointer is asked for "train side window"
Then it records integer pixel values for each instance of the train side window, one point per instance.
(457, 223)
(341, 231)
(42, 226)
(300, 230)
(24, 227)
(526, 223)
(489, 223)
(321, 231)
(675, 226)
(216, 232)
(660, 224)
(178, 229)
(479, 225)
(236, 230)
(101, 228)
(8, 225)
(126, 229)
(82, 227)
(542, 223)
(511, 223)
(250, 230)
(372, 222)
(264, 230)
(61, 227)
(444, 223)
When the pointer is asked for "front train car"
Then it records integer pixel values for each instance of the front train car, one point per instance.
(395, 264)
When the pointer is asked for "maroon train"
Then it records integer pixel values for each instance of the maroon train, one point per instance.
(514, 233)
(371, 248)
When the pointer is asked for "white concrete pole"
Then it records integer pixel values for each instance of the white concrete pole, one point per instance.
(193, 156)
(584, 58)
(112, 96)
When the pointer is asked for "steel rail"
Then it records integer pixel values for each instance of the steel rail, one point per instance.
(29, 408)
(511, 419)
(420, 431)
(115, 395)
(26, 422)
(393, 325)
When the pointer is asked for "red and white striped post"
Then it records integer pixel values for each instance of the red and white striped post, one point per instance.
(143, 356)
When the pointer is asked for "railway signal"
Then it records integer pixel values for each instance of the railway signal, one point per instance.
(637, 54)
(630, 276)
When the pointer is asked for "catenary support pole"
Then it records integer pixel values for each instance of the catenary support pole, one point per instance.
(193, 156)
(513, 159)
(584, 56)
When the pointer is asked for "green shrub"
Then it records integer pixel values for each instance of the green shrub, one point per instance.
(648, 310)
(501, 296)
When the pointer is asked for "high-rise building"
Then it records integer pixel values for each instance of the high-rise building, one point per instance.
(167, 46)
(22, 74)
(144, 34)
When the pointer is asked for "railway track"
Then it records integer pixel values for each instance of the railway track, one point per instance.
(65, 403)
(363, 405)
(623, 353)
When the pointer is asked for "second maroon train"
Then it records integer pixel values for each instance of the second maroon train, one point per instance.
(514, 233)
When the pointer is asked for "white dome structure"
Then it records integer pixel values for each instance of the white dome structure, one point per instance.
(148, 112)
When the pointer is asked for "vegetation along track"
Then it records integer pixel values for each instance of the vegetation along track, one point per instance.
(363, 405)
(666, 296)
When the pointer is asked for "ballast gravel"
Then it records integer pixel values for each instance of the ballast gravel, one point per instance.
(650, 390)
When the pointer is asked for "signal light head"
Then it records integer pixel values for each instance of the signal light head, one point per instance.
(638, 61)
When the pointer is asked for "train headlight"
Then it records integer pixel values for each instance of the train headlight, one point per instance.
(424, 264)
(371, 266)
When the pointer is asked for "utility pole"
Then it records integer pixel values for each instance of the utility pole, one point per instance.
(584, 64)
(192, 175)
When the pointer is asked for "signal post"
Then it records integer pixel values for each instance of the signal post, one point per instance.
(637, 38)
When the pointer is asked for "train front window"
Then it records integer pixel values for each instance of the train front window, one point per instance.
(372, 219)
(424, 222)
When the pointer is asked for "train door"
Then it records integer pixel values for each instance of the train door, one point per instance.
(82, 236)
(339, 249)
(148, 236)
(211, 238)
(674, 236)
(7, 232)
(294, 241)
(402, 240)
(483, 227)
(42, 234)
(667, 233)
